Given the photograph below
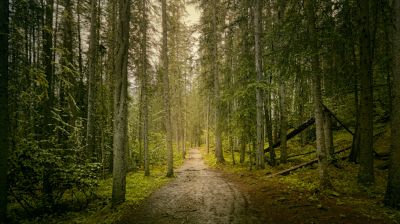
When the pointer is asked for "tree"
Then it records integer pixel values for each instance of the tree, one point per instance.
(144, 87)
(214, 70)
(92, 70)
(49, 102)
(120, 141)
(366, 171)
(317, 96)
(166, 91)
(392, 196)
(4, 117)
(259, 92)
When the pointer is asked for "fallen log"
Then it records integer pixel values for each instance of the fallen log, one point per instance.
(287, 171)
(337, 119)
(293, 133)
(303, 154)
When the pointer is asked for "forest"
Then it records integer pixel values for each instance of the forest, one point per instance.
(199, 111)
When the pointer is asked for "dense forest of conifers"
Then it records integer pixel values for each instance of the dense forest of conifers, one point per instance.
(97, 88)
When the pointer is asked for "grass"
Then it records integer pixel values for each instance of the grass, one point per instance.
(138, 188)
(346, 191)
(99, 210)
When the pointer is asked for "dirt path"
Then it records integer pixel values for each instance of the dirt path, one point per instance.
(198, 195)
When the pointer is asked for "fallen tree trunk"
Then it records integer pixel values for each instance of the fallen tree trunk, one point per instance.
(287, 171)
(293, 133)
(303, 154)
(337, 119)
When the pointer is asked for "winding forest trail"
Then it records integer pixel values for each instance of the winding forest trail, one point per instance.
(198, 195)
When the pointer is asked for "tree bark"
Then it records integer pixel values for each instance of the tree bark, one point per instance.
(242, 149)
(259, 96)
(317, 97)
(49, 102)
(366, 171)
(214, 48)
(4, 111)
(268, 124)
(92, 69)
(392, 196)
(166, 90)
(328, 136)
(144, 89)
(208, 125)
(283, 128)
(120, 140)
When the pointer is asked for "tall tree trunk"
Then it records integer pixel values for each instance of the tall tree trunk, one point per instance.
(49, 73)
(366, 172)
(355, 147)
(166, 90)
(67, 63)
(317, 97)
(80, 87)
(4, 111)
(392, 196)
(214, 50)
(268, 124)
(283, 128)
(328, 136)
(144, 87)
(208, 125)
(120, 141)
(242, 149)
(259, 95)
(92, 70)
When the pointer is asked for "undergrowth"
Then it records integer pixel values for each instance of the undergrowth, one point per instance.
(99, 210)
(345, 191)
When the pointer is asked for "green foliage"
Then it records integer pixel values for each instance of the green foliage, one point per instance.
(33, 164)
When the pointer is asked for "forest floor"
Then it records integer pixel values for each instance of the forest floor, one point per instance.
(197, 195)
(201, 194)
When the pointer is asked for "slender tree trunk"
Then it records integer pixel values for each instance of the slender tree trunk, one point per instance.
(4, 111)
(355, 147)
(268, 124)
(328, 136)
(283, 133)
(208, 125)
(242, 149)
(67, 61)
(166, 96)
(120, 141)
(392, 196)
(317, 97)
(92, 70)
(48, 69)
(366, 172)
(214, 46)
(259, 95)
(275, 120)
(144, 91)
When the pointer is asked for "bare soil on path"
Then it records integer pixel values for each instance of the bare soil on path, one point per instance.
(200, 195)
(197, 195)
